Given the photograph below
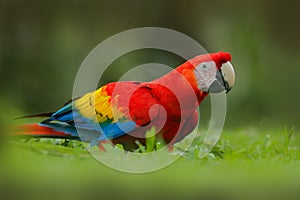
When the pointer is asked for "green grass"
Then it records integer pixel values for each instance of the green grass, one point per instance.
(248, 144)
(243, 161)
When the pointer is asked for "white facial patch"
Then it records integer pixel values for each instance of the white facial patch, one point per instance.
(205, 74)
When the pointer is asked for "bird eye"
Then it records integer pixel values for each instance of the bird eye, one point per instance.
(204, 67)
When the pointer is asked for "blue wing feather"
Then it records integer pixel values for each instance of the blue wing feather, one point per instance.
(69, 120)
(79, 115)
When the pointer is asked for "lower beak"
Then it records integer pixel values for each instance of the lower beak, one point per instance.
(218, 85)
(225, 79)
(227, 88)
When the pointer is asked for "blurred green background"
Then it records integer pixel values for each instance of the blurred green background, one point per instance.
(43, 43)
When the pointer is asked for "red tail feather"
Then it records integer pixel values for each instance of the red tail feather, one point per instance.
(38, 131)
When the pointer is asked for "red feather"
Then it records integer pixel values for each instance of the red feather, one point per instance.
(176, 93)
(39, 131)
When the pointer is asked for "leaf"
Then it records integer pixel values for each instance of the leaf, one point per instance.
(150, 140)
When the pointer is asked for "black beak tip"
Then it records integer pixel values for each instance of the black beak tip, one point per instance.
(227, 88)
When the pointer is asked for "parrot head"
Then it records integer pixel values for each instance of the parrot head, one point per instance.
(213, 72)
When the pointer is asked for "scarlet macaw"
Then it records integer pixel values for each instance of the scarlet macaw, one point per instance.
(123, 111)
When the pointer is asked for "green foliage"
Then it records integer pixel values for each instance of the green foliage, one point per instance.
(150, 140)
(288, 151)
(241, 157)
(246, 144)
(54, 147)
(153, 142)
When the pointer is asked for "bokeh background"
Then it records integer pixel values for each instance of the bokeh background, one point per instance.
(43, 43)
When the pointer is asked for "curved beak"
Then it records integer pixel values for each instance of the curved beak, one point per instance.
(225, 78)
(228, 75)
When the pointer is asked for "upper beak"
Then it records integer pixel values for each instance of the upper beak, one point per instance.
(228, 75)
(225, 79)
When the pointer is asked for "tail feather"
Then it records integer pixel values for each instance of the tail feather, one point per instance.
(54, 130)
(38, 130)
(48, 114)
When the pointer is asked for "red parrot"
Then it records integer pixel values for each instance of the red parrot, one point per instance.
(122, 112)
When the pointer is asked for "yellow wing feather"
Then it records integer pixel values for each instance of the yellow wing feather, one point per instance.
(98, 106)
